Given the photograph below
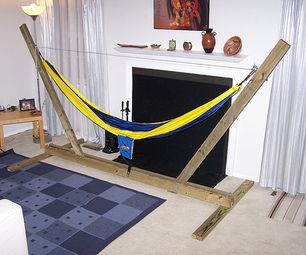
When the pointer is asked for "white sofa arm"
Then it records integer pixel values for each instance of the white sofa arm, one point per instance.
(13, 239)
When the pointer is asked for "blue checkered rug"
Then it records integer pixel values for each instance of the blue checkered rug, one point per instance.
(69, 213)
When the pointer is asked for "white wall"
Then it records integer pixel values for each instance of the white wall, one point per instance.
(256, 22)
(17, 69)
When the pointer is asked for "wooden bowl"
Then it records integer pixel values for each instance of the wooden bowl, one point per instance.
(155, 46)
(232, 46)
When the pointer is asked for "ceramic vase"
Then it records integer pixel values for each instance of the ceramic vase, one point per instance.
(187, 46)
(208, 40)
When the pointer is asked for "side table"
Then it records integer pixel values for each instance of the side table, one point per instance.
(17, 116)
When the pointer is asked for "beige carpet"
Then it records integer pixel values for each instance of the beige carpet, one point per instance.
(245, 230)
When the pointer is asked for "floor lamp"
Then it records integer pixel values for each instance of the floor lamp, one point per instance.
(34, 11)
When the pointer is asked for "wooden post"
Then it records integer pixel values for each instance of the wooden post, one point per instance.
(49, 87)
(236, 108)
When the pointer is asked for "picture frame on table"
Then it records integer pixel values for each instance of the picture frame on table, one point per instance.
(27, 104)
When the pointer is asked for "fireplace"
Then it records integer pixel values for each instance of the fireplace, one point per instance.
(158, 95)
(120, 79)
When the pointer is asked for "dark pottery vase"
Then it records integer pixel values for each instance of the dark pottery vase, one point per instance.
(187, 46)
(208, 40)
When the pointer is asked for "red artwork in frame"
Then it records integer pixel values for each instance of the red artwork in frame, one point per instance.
(181, 14)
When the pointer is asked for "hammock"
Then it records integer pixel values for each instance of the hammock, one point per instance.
(128, 131)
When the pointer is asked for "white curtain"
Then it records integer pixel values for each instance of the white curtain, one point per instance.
(284, 156)
(71, 37)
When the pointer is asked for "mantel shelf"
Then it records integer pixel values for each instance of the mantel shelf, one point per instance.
(195, 57)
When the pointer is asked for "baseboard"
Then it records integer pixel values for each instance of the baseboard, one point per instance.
(246, 177)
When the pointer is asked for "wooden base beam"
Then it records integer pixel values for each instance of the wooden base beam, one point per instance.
(189, 189)
(27, 162)
(212, 221)
(30, 161)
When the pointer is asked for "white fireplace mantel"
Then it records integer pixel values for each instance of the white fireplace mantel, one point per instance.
(219, 59)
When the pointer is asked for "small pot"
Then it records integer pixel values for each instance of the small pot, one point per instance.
(208, 40)
(187, 45)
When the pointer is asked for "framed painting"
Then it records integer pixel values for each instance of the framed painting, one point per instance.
(181, 14)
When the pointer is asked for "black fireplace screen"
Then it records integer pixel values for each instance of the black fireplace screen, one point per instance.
(160, 95)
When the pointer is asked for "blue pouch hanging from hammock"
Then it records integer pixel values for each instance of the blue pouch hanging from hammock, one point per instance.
(125, 145)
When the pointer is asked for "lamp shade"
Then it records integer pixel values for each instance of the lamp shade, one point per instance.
(33, 10)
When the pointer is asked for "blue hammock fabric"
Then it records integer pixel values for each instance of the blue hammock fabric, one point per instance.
(123, 124)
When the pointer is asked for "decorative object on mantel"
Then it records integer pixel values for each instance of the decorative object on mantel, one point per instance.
(155, 46)
(232, 46)
(187, 46)
(208, 40)
(132, 46)
(192, 56)
(172, 45)
(181, 14)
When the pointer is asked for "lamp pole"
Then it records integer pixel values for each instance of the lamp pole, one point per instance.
(34, 11)
(37, 74)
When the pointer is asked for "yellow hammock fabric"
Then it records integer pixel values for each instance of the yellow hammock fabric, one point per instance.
(84, 105)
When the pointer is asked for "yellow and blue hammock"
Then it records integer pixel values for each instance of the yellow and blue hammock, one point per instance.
(128, 131)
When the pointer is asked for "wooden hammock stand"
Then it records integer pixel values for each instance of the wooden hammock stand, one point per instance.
(180, 185)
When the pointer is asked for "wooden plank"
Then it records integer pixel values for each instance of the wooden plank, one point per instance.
(189, 189)
(27, 162)
(236, 108)
(213, 220)
(210, 223)
(30, 161)
(242, 190)
(49, 87)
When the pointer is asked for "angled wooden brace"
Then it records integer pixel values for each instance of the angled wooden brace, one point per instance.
(50, 89)
(235, 109)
